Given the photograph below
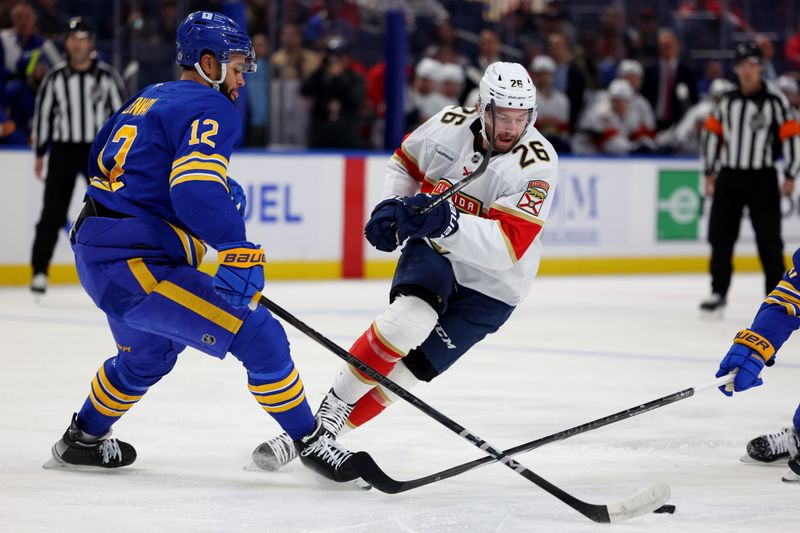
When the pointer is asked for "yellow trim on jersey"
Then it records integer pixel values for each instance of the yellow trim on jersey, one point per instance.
(188, 240)
(213, 166)
(517, 213)
(787, 292)
(280, 397)
(273, 387)
(202, 307)
(509, 247)
(113, 390)
(142, 274)
(181, 296)
(409, 156)
(197, 176)
(285, 407)
(200, 155)
(791, 310)
(106, 185)
(100, 164)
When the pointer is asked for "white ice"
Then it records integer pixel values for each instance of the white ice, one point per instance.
(578, 349)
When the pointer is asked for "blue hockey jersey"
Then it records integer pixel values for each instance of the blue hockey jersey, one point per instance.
(163, 158)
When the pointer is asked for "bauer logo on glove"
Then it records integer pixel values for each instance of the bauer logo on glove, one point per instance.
(243, 257)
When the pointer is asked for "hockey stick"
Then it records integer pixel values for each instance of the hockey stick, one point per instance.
(639, 504)
(381, 481)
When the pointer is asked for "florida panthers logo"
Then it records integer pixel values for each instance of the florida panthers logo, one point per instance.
(534, 196)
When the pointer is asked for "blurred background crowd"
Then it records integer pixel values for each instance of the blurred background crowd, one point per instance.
(613, 76)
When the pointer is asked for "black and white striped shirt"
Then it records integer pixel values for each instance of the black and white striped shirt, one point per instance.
(741, 130)
(72, 106)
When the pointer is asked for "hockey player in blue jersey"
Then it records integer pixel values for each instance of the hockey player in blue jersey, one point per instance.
(753, 348)
(158, 191)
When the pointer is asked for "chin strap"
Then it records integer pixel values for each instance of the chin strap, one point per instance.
(214, 84)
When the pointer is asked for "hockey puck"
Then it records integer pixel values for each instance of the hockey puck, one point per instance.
(668, 508)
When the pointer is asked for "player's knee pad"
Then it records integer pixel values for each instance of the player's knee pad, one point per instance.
(406, 322)
(261, 344)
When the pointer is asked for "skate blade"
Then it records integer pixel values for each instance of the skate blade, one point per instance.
(746, 459)
(790, 477)
(253, 467)
(717, 314)
(55, 464)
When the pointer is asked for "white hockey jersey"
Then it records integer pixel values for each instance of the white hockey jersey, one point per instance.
(496, 249)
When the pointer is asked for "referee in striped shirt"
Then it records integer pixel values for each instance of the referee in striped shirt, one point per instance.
(74, 101)
(738, 149)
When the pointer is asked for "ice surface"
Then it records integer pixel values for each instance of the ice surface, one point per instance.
(576, 350)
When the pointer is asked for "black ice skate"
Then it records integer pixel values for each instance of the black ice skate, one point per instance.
(77, 448)
(766, 449)
(320, 452)
(279, 451)
(793, 474)
(714, 305)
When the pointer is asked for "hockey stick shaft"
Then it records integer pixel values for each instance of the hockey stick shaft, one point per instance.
(395, 486)
(640, 504)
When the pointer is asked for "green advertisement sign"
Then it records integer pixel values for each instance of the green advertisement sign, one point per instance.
(679, 204)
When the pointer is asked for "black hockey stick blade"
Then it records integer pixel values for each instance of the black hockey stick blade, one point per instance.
(642, 503)
(384, 483)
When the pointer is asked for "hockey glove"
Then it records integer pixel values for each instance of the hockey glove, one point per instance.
(441, 221)
(237, 195)
(748, 355)
(241, 272)
(380, 230)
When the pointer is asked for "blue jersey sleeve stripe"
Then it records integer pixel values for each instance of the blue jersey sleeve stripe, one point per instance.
(791, 309)
(200, 156)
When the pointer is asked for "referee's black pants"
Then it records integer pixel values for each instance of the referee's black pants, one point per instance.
(66, 161)
(758, 190)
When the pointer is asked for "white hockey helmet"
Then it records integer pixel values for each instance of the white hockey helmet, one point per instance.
(509, 86)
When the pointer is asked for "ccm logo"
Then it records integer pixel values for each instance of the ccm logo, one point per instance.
(256, 257)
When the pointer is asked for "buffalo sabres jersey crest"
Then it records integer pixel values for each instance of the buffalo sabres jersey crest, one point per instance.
(496, 250)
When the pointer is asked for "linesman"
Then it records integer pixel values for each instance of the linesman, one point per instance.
(74, 101)
(739, 166)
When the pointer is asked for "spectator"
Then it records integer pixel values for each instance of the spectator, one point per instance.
(292, 61)
(765, 44)
(570, 76)
(258, 94)
(337, 94)
(643, 118)
(712, 71)
(25, 57)
(641, 40)
(552, 113)
(606, 126)
(451, 83)
(788, 86)
(425, 97)
(445, 49)
(685, 137)
(669, 86)
(791, 51)
(52, 20)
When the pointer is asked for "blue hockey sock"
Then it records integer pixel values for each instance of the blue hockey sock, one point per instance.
(281, 394)
(109, 398)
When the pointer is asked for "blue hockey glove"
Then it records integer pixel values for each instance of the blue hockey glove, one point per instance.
(748, 355)
(379, 230)
(237, 195)
(441, 221)
(241, 272)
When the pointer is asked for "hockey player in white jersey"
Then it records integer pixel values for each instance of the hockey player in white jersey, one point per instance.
(465, 264)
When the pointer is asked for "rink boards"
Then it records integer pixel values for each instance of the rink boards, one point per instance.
(308, 210)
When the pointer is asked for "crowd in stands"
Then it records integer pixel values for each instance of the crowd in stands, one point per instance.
(620, 78)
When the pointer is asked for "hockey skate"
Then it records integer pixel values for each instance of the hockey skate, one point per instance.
(320, 452)
(279, 451)
(78, 449)
(793, 474)
(39, 284)
(713, 306)
(773, 448)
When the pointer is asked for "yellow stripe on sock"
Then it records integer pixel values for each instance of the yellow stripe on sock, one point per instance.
(103, 410)
(272, 387)
(113, 390)
(272, 399)
(103, 398)
(285, 407)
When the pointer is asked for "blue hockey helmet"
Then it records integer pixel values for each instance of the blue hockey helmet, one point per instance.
(207, 31)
